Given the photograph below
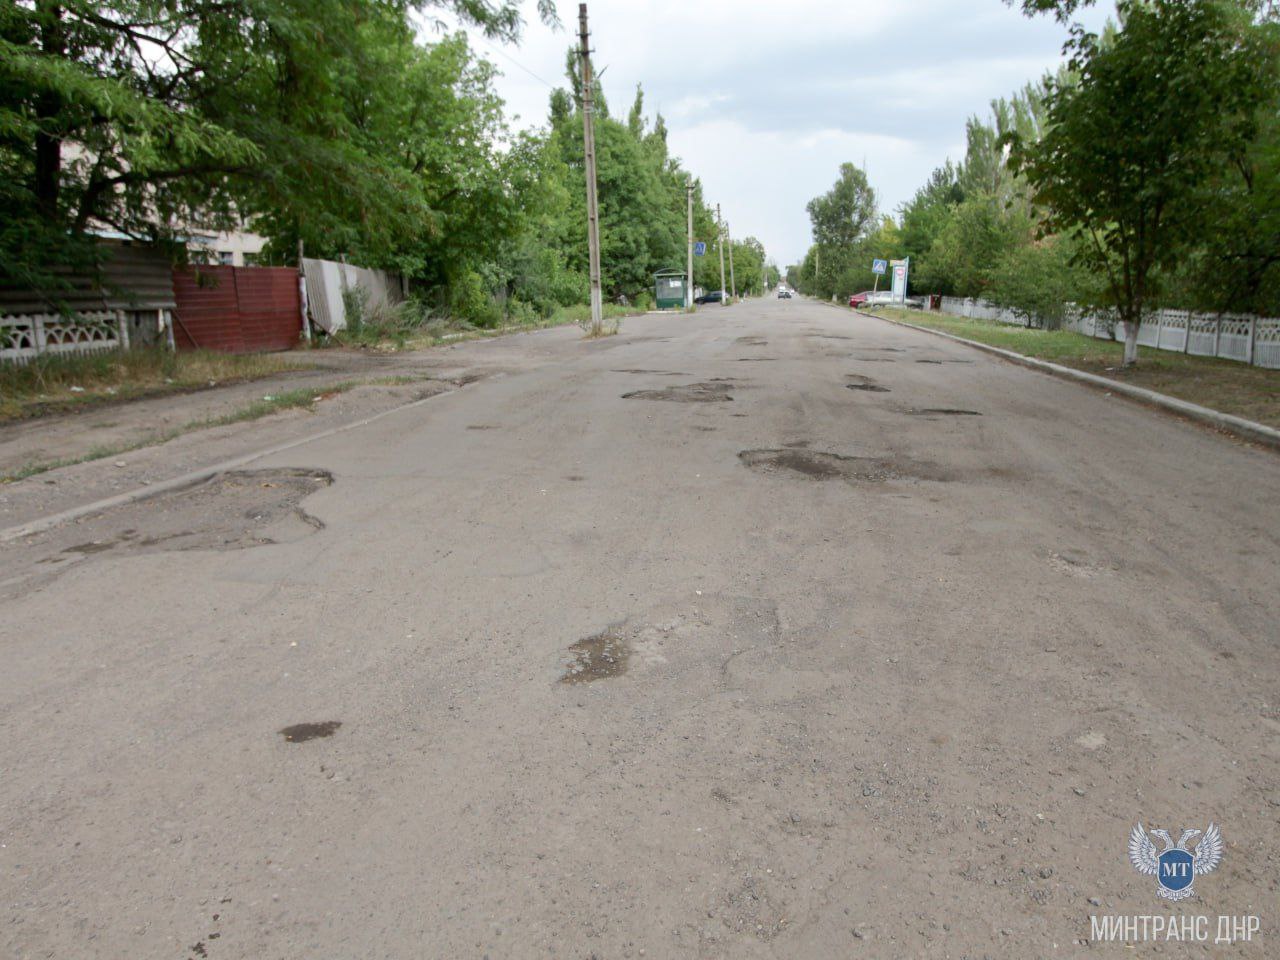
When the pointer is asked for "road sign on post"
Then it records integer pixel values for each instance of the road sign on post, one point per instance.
(900, 280)
(700, 249)
(879, 266)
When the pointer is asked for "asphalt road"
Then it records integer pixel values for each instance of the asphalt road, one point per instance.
(769, 632)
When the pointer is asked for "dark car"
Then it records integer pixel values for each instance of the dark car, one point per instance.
(784, 294)
(714, 296)
(859, 299)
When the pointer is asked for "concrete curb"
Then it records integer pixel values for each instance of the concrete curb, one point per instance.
(194, 477)
(1239, 426)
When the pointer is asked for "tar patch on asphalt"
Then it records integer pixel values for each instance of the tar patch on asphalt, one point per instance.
(942, 412)
(302, 732)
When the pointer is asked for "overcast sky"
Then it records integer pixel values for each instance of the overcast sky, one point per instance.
(764, 101)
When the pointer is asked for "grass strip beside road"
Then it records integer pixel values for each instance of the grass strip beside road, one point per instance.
(393, 333)
(63, 383)
(1224, 385)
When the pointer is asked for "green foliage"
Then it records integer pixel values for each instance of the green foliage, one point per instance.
(1183, 75)
(472, 302)
(319, 119)
(842, 214)
(325, 122)
(1039, 280)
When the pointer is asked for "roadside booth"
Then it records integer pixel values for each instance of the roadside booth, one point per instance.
(669, 288)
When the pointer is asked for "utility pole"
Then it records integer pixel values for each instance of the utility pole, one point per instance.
(589, 153)
(688, 280)
(733, 284)
(720, 244)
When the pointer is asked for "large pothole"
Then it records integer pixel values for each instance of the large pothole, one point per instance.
(820, 465)
(710, 392)
(859, 382)
(230, 511)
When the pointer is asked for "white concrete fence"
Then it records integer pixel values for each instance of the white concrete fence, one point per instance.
(25, 336)
(1252, 340)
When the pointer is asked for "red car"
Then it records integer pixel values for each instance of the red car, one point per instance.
(858, 299)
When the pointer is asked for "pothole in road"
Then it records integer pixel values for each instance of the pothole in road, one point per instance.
(819, 465)
(859, 382)
(685, 393)
(944, 361)
(231, 511)
(302, 732)
(942, 412)
(598, 657)
(756, 359)
(655, 373)
(752, 341)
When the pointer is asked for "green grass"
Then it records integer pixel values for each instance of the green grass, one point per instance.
(58, 383)
(397, 330)
(1224, 385)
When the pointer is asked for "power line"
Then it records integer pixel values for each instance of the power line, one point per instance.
(507, 56)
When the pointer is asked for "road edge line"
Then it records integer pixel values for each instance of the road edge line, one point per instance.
(194, 477)
(1248, 429)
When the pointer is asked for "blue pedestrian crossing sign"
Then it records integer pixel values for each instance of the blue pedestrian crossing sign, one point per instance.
(879, 266)
(699, 249)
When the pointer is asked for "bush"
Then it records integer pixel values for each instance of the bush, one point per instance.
(471, 302)
(1038, 281)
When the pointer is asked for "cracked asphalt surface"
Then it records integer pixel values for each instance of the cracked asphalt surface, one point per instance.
(640, 649)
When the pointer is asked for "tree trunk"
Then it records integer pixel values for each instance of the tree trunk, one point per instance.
(48, 159)
(1130, 342)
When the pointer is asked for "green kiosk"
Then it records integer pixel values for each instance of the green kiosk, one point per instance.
(669, 289)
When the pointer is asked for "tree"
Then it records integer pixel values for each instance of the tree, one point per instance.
(842, 214)
(141, 117)
(1130, 147)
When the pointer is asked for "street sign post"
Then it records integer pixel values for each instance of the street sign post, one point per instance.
(879, 266)
(700, 249)
(900, 268)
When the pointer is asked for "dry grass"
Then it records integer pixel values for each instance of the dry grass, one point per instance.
(1223, 385)
(59, 383)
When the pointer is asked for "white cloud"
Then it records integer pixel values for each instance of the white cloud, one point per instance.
(764, 102)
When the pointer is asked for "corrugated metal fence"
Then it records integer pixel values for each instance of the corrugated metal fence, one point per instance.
(237, 309)
(327, 280)
(1252, 340)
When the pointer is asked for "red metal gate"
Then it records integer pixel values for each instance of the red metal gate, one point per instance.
(237, 309)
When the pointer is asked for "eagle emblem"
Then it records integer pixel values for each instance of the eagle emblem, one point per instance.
(1175, 868)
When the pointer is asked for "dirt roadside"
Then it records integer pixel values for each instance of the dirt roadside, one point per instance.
(107, 450)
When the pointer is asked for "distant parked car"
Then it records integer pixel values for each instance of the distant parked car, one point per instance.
(858, 299)
(784, 294)
(714, 296)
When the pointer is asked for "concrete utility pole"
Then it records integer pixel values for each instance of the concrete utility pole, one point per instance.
(589, 153)
(688, 280)
(720, 244)
(733, 284)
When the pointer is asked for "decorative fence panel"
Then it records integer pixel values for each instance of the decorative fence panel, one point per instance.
(1253, 340)
(28, 335)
